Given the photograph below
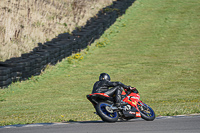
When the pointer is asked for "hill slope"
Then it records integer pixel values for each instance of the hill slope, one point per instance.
(154, 47)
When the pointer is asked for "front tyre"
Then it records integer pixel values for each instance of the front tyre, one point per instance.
(146, 112)
(106, 113)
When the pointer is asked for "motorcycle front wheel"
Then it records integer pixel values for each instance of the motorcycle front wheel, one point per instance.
(146, 112)
(106, 113)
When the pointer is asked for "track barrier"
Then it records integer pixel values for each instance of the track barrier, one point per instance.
(51, 52)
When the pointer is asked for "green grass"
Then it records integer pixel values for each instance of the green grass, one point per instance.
(154, 47)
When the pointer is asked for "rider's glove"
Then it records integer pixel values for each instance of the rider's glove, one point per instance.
(132, 88)
(128, 87)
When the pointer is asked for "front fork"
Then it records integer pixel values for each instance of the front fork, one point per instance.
(140, 105)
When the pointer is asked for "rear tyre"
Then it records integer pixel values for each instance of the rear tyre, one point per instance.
(146, 112)
(106, 113)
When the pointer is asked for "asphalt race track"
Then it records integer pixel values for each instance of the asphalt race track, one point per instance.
(175, 124)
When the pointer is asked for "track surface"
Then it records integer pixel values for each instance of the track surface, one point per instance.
(177, 124)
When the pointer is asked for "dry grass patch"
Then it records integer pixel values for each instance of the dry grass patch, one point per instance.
(24, 23)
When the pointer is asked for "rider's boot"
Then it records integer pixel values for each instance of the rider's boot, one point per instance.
(120, 105)
(117, 101)
(117, 105)
(123, 103)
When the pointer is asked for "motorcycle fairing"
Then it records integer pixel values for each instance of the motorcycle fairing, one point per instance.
(132, 99)
(131, 113)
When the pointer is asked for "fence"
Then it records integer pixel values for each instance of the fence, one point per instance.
(31, 64)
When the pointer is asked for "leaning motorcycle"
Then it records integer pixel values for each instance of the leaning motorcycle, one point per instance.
(131, 106)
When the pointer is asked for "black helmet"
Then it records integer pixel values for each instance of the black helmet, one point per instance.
(104, 76)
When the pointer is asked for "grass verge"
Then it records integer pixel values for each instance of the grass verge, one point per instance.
(154, 47)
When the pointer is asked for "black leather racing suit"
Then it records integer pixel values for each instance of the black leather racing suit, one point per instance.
(102, 86)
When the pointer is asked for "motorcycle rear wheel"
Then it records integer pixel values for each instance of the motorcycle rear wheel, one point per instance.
(146, 112)
(105, 113)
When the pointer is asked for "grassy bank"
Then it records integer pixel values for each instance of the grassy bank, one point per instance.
(154, 47)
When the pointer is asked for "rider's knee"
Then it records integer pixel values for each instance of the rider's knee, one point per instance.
(120, 88)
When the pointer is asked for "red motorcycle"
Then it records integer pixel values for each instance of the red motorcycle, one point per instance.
(131, 106)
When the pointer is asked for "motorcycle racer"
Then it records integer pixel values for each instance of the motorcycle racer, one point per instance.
(111, 104)
(103, 85)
